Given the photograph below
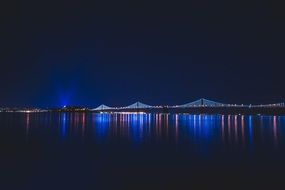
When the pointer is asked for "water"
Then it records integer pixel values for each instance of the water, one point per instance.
(141, 151)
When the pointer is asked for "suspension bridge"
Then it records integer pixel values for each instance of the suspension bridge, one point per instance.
(198, 106)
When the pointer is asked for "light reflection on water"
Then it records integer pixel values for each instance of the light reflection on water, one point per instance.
(116, 147)
(170, 128)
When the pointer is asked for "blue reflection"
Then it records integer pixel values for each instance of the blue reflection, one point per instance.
(202, 131)
(64, 125)
(195, 126)
(250, 128)
(205, 134)
(137, 127)
(206, 126)
(102, 126)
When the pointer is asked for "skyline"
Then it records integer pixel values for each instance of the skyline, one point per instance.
(198, 102)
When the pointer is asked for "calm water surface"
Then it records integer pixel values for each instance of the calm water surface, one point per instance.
(141, 151)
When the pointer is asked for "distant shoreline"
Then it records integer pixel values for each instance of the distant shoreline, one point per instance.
(172, 110)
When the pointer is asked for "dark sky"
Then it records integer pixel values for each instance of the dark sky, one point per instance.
(160, 52)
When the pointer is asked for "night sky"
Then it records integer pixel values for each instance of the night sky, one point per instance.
(159, 52)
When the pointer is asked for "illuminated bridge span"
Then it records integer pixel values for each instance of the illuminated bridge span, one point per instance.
(102, 107)
(202, 103)
(271, 105)
(199, 106)
(138, 105)
(134, 106)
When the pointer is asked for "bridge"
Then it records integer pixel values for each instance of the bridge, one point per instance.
(102, 107)
(198, 106)
(133, 107)
(202, 103)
